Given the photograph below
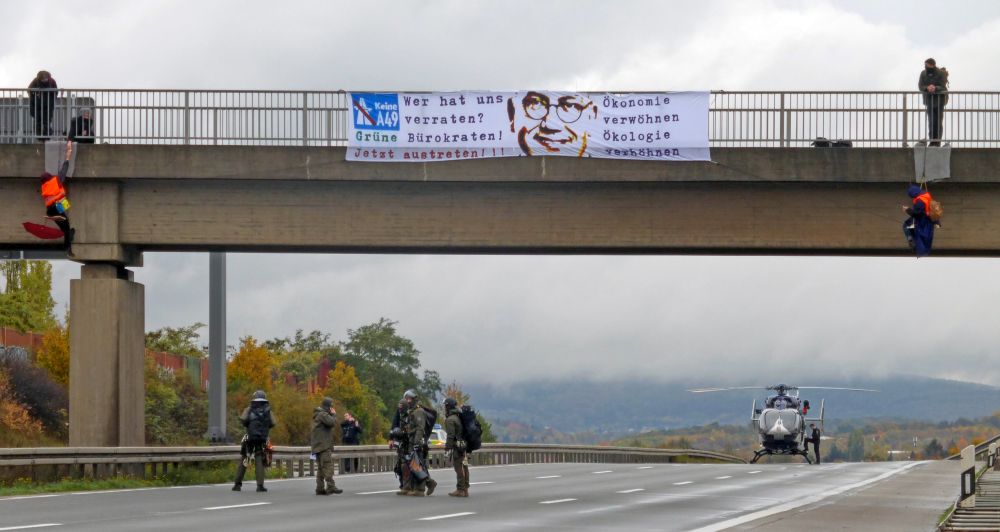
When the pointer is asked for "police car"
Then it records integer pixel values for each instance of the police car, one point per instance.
(438, 435)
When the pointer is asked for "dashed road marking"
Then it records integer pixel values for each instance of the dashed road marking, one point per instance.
(446, 516)
(550, 476)
(723, 478)
(602, 472)
(633, 490)
(375, 492)
(754, 472)
(556, 501)
(236, 506)
(480, 483)
(683, 483)
(645, 467)
(21, 497)
(25, 527)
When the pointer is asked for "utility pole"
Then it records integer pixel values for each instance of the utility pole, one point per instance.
(216, 348)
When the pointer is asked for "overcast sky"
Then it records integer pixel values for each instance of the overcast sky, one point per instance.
(751, 319)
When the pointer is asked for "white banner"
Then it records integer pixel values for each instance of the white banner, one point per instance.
(442, 126)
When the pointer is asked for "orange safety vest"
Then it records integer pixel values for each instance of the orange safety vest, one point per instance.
(52, 191)
(925, 197)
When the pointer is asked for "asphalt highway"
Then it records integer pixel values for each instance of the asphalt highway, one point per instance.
(521, 497)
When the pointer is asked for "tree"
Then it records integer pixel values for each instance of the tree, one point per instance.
(179, 341)
(454, 390)
(17, 427)
(251, 366)
(388, 363)
(933, 450)
(176, 409)
(856, 446)
(350, 395)
(53, 355)
(26, 302)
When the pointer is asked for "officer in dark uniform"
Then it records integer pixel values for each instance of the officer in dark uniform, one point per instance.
(259, 420)
(814, 438)
(455, 444)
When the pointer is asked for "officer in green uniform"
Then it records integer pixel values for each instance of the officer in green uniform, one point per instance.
(455, 444)
(324, 419)
(258, 420)
(414, 426)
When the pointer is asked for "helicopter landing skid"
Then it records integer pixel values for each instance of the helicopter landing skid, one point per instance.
(758, 454)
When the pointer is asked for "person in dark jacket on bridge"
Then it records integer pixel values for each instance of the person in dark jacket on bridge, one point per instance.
(933, 83)
(259, 420)
(42, 103)
(814, 438)
(81, 129)
(919, 228)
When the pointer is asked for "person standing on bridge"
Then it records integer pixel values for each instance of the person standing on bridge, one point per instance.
(324, 419)
(455, 444)
(53, 192)
(258, 420)
(933, 83)
(350, 431)
(42, 103)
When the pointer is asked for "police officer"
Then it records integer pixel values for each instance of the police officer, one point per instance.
(258, 420)
(414, 425)
(814, 438)
(397, 442)
(455, 444)
(324, 419)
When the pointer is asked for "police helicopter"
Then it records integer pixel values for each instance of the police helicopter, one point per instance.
(781, 423)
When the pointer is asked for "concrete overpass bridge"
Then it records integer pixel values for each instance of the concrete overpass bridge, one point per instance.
(266, 172)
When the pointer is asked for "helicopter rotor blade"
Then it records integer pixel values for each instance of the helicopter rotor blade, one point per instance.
(835, 388)
(706, 390)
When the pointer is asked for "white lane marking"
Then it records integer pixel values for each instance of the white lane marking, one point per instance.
(109, 491)
(723, 478)
(483, 482)
(550, 476)
(20, 497)
(645, 467)
(447, 516)
(602, 472)
(633, 490)
(375, 492)
(754, 472)
(777, 509)
(683, 483)
(556, 501)
(236, 506)
(601, 509)
(25, 527)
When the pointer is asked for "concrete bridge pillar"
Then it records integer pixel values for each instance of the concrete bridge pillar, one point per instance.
(107, 346)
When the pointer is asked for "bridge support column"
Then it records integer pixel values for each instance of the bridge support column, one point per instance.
(107, 357)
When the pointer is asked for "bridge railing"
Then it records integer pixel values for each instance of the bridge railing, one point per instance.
(320, 118)
(49, 463)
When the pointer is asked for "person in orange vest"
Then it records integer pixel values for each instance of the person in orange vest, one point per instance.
(919, 228)
(53, 192)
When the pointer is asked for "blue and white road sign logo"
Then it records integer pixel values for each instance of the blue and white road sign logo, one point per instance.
(378, 111)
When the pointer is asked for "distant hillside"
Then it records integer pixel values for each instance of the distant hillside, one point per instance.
(607, 409)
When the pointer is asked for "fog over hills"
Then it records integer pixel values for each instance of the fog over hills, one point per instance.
(624, 406)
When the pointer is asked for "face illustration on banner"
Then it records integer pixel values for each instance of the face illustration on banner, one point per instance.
(551, 123)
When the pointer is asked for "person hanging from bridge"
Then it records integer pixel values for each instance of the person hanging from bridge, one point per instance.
(324, 419)
(258, 420)
(924, 215)
(53, 191)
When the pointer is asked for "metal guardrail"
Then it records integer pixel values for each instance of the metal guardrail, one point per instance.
(981, 450)
(978, 504)
(102, 462)
(320, 118)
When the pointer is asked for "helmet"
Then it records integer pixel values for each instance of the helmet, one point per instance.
(259, 395)
(450, 403)
(327, 402)
(409, 394)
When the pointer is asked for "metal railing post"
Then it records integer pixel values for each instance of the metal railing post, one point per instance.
(305, 118)
(906, 122)
(187, 117)
(781, 118)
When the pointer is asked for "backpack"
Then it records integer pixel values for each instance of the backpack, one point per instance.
(259, 423)
(430, 419)
(472, 431)
(935, 211)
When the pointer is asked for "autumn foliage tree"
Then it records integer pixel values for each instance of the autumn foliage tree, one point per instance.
(251, 367)
(53, 355)
(350, 395)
